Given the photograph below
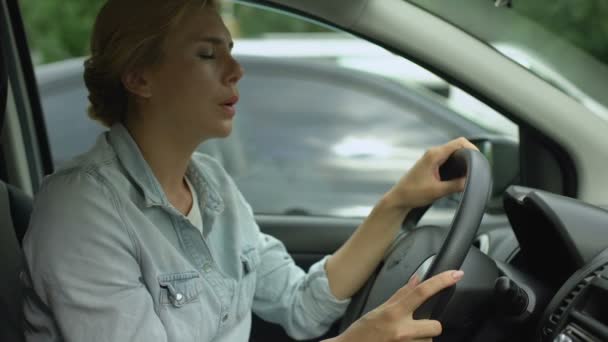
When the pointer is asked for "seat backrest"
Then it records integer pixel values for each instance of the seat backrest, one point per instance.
(15, 209)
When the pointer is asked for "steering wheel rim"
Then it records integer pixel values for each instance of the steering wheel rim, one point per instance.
(463, 229)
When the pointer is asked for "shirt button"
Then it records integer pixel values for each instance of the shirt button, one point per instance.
(179, 297)
(207, 267)
(225, 318)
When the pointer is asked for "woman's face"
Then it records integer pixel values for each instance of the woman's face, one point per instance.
(194, 87)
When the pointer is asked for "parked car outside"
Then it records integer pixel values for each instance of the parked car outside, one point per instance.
(352, 53)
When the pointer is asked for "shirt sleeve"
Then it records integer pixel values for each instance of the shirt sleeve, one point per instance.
(84, 268)
(302, 303)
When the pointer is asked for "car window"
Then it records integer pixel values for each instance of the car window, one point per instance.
(314, 140)
(63, 97)
(325, 125)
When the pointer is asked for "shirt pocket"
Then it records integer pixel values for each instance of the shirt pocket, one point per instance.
(180, 308)
(179, 289)
(249, 263)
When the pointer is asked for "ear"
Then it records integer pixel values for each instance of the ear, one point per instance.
(138, 83)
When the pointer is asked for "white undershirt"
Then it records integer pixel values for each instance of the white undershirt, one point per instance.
(194, 215)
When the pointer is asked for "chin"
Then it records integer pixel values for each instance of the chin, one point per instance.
(224, 135)
(216, 128)
(224, 130)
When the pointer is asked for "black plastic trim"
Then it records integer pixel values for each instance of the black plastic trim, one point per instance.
(3, 101)
(31, 86)
(560, 307)
(3, 88)
(597, 328)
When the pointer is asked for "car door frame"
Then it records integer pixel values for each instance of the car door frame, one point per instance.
(25, 129)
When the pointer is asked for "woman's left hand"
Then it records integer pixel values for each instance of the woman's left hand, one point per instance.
(422, 185)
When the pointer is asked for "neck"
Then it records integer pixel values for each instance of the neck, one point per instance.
(166, 152)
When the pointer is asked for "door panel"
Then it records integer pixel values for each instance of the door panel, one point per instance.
(303, 234)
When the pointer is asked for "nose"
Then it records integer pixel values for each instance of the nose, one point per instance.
(236, 71)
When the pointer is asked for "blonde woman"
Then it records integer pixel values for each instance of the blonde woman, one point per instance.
(141, 239)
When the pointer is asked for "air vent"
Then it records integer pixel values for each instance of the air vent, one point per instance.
(557, 315)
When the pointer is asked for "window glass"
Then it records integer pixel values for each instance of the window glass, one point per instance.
(317, 140)
(326, 122)
(63, 97)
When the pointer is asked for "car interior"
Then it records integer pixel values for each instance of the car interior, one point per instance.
(544, 276)
(15, 208)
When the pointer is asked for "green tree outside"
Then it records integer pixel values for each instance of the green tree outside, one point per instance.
(58, 29)
(254, 22)
(61, 29)
(582, 23)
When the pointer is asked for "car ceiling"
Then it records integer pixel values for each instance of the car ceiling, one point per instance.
(447, 52)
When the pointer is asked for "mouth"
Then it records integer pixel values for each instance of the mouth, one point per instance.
(231, 101)
(229, 105)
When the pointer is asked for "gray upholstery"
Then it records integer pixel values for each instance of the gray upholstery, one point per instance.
(15, 208)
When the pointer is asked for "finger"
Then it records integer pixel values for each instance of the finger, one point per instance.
(414, 281)
(451, 186)
(422, 329)
(464, 143)
(402, 292)
(429, 327)
(430, 287)
(445, 151)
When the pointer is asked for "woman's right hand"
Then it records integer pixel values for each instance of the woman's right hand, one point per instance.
(394, 321)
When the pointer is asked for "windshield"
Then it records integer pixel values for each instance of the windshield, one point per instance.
(562, 41)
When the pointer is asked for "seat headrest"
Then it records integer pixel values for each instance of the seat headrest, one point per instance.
(3, 88)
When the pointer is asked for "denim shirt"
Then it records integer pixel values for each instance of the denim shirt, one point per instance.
(110, 259)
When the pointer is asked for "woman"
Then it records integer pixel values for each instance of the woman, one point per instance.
(140, 239)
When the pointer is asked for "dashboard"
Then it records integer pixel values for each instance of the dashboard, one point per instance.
(579, 310)
(564, 246)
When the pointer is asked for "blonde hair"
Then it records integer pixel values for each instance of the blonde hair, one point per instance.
(128, 34)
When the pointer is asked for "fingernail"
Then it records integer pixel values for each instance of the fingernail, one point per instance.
(413, 280)
(457, 275)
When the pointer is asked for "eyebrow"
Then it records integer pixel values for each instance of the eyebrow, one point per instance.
(216, 41)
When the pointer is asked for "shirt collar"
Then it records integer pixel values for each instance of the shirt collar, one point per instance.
(139, 171)
(136, 167)
(209, 198)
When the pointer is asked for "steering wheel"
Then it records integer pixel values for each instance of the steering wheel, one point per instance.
(428, 251)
